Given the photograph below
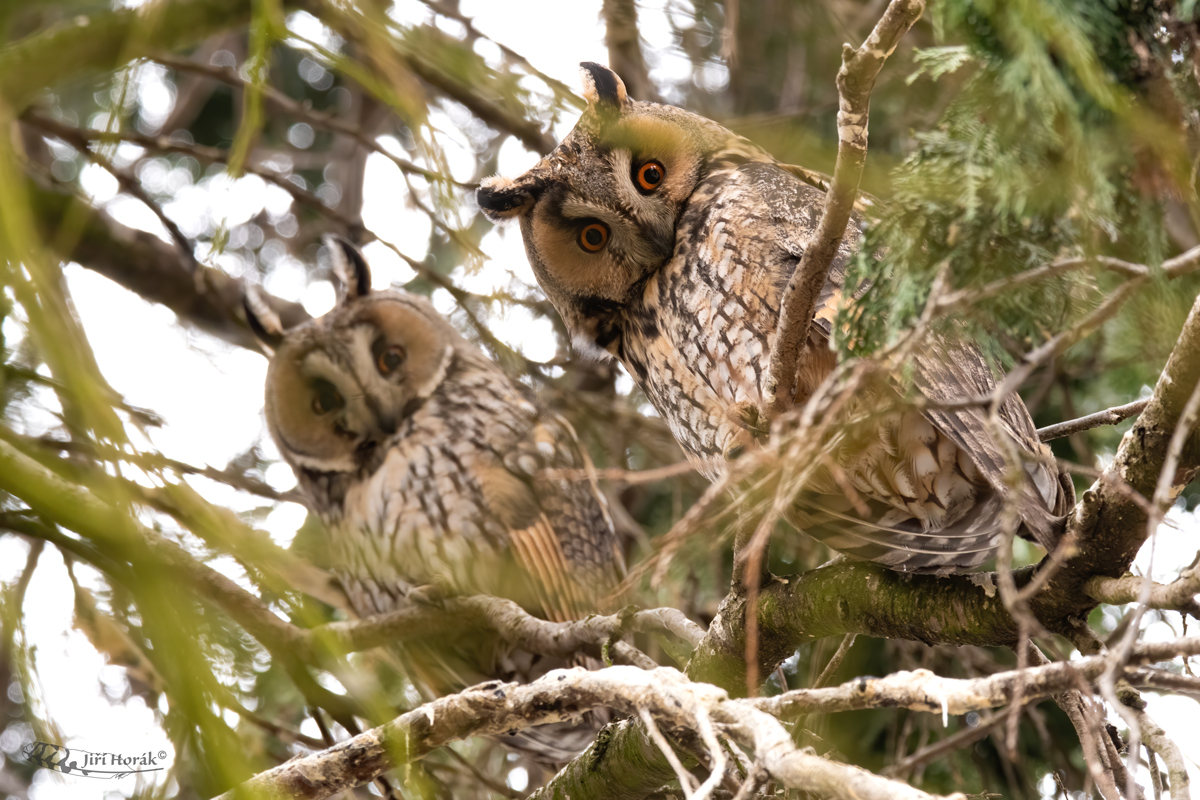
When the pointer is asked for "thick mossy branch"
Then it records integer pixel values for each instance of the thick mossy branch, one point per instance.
(1109, 524)
(852, 597)
(621, 763)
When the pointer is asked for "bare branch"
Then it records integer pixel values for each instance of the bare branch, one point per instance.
(76, 138)
(855, 80)
(921, 690)
(1109, 416)
(143, 263)
(1183, 263)
(964, 298)
(1179, 595)
(494, 708)
(1157, 740)
(506, 618)
(835, 661)
(559, 88)
(319, 119)
(1061, 342)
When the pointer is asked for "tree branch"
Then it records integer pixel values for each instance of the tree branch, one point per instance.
(1109, 526)
(494, 708)
(1109, 416)
(511, 622)
(921, 690)
(855, 80)
(669, 697)
(1179, 595)
(145, 264)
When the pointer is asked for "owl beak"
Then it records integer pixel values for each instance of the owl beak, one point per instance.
(364, 450)
(385, 420)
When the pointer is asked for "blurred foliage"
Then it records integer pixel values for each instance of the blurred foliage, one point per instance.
(1004, 135)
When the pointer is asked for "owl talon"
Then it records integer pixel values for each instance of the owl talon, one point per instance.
(739, 444)
(427, 595)
(747, 417)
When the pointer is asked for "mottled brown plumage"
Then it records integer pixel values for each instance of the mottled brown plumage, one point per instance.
(428, 466)
(665, 240)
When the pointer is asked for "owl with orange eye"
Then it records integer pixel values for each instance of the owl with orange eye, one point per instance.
(436, 474)
(665, 241)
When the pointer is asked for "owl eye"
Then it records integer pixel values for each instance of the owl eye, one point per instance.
(593, 237)
(326, 397)
(649, 176)
(388, 359)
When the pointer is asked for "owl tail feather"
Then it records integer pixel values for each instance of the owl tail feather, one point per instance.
(902, 543)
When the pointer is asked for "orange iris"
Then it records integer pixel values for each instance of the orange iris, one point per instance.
(390, 359)
(650, 176)
(593, 237)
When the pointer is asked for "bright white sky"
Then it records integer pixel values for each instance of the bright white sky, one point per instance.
(211, 394)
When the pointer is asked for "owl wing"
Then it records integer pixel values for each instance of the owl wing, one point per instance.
(794, 204)
(945, 373)
(559, 529)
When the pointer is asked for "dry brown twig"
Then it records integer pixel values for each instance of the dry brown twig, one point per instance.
(80, 139)
(318, 119)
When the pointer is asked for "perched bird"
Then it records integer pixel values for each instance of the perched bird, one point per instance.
(431, 468)
(666, 241)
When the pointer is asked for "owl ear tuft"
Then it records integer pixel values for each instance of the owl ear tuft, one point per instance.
(502, 198)
(350, 268)
(262, 319)
(602, 88)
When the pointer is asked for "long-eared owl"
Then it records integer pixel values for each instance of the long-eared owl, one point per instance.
(666, 240)
(429, 466)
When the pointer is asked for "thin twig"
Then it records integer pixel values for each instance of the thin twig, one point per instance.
(297, 110)
(686, 781)
(964, 298)
(1109, 416)
(1059, 343)
(1163, 495)
(624, 477)
(835, 661)
(79, 139)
